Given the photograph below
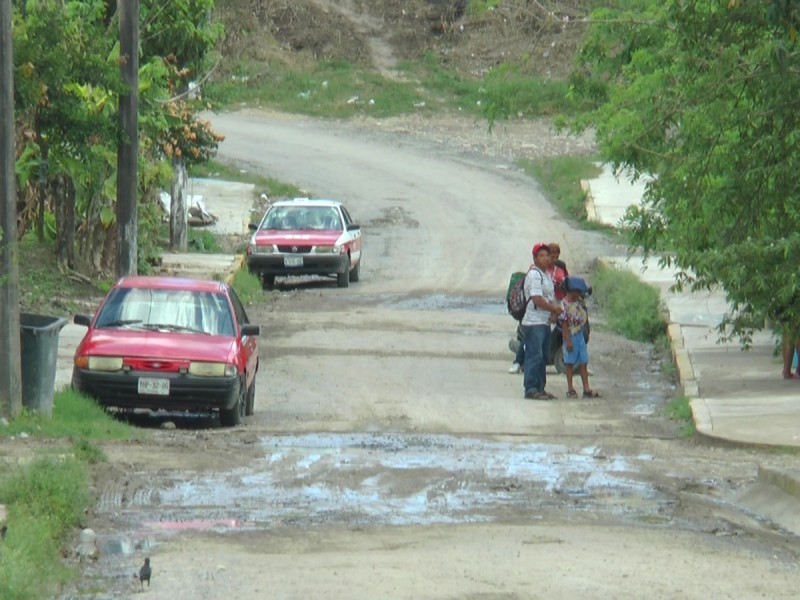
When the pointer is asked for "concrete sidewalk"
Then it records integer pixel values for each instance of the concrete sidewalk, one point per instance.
(736, 395)
(231, 203)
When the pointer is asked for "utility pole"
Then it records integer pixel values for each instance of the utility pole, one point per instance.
(10, 360)
(128, 149)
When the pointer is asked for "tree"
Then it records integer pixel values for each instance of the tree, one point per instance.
(184, 37)
(704, 95)
(67, 65)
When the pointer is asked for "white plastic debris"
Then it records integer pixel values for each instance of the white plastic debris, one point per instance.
(87, 544)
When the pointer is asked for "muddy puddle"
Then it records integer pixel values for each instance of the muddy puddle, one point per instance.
(384, 479)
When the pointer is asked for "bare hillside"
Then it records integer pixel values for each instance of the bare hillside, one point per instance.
(542, 35)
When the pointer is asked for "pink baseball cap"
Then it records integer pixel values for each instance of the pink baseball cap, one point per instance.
(538, 247)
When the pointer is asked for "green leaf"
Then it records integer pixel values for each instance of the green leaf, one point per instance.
(107, 217)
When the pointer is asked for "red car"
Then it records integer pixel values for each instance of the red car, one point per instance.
(305, 237)
(172, 344)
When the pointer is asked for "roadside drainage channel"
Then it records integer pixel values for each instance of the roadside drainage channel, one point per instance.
(388, 479)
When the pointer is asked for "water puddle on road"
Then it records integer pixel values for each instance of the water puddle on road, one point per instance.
(394, 479)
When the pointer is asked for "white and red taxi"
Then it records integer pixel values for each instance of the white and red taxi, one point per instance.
(305, 237)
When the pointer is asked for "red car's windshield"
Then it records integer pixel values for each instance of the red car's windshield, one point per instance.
(167, 310)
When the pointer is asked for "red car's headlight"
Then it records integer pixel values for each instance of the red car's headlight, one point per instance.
(212, 369)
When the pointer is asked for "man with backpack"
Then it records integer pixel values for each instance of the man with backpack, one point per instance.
(541, 311)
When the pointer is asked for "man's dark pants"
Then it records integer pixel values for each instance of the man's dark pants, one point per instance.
(537, 347)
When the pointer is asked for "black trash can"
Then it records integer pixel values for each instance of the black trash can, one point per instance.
(39, 349)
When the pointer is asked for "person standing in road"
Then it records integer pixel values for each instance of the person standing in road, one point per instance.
(555, 254)
(574, 319)
(556, 271)
(540, 314)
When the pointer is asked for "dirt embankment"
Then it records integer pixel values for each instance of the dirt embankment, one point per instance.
(542, 37)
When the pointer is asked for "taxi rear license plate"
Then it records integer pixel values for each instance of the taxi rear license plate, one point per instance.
(292, 261)
(154, 386)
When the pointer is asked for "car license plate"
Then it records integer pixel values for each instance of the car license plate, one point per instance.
(154, 386)
(292, 261)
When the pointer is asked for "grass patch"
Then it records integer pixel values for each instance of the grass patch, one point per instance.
(247, 286)
(560, 179)
(201, 240)
(45, 500)
(680, 409)
(632, 307)
(75, 416)
(476, 8)
(338, 89)
(508, 92)
(333, 88)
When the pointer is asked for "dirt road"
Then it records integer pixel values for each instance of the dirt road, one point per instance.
(392, 456)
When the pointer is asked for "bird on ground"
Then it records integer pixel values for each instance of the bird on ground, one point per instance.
(3, 532)
(145, 572)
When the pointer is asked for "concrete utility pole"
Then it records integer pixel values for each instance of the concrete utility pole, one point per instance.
(127, 152)
(10, 368)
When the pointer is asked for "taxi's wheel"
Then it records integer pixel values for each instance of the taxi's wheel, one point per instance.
(343, 279)
(355, 274)
(251, 399)
(267, 282)
(235, 415)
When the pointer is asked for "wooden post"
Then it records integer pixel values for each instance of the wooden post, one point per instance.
(178, 206)
(127, 151)
(10, 359)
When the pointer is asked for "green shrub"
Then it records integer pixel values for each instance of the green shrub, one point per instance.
(631, 307)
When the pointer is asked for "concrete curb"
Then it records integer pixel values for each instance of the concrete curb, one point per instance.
(703, 423)
(238, 262)
(682, 359)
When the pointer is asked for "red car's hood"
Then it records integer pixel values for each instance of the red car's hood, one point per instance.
(156, 344)
(303, 237)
